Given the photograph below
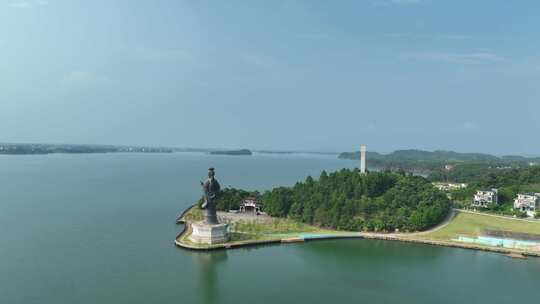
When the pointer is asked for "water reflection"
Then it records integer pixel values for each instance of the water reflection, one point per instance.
(208, 263)
(358, 252)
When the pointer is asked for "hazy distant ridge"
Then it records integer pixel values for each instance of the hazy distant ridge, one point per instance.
(23, 148)
(430, 159)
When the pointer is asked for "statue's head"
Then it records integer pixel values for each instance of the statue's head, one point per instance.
(211, 172)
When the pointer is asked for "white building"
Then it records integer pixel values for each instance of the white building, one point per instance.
(449, 186)
(527, 202)
(484, 198)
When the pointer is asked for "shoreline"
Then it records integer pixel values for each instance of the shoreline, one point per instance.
(415, 237)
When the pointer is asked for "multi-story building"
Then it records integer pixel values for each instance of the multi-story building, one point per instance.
(484, 198)
(527, 202)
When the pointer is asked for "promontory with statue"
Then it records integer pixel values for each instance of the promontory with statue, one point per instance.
(383, 203)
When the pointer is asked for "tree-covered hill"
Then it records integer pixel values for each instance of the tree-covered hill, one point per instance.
(418, 160)
(483, 173)
(347, 200)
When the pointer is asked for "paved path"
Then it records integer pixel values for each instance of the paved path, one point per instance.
(444, 223)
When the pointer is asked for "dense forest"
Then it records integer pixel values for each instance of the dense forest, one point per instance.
(470, 173)
(347, 200)
(464, 173)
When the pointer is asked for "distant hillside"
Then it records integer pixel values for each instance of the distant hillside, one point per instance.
(426, 160)
(232, 152)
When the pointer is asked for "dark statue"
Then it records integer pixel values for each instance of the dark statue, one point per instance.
(211, 190)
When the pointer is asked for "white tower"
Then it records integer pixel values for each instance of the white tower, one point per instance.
(363, 149)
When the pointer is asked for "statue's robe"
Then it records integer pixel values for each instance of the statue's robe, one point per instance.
(211, 190)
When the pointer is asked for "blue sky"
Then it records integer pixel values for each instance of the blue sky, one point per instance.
(300, 75)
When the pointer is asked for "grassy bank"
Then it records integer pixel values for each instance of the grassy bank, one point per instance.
(278, 230)
(252, 232)
(193, 214)
(473, 225)
(276, 226)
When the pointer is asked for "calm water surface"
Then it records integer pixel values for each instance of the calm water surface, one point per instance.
(100, 229)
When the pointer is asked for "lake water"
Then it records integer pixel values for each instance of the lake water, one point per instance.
(99, 229)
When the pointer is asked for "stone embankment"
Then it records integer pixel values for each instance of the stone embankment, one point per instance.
(405, 238)
(303, 237)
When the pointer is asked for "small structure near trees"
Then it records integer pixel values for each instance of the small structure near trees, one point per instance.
(250, 204)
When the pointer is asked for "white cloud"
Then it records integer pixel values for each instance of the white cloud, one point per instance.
(258, 60)
(20, 4)
(453, 37)
(459, 58)
(25, 4)
(468, 125)
(314, 36)
(159, 55)
(395, 2)
(415, 36)
(404, 1)
(80, 79)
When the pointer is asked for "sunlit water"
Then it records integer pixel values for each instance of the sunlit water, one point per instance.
(100, 228)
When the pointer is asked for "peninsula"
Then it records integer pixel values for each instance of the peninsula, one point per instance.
(340, 201)
(375, 205)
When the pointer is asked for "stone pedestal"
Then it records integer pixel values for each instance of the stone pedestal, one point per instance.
(209, 234)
